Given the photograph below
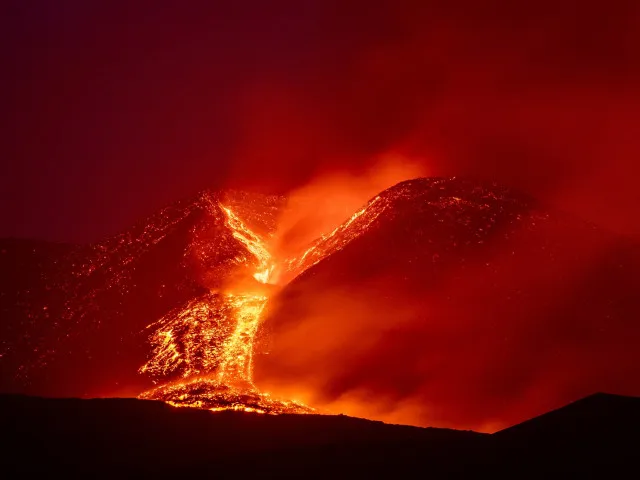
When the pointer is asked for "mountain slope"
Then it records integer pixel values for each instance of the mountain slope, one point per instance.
(457, 290)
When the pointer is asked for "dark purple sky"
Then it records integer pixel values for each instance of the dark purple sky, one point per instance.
(113, 109)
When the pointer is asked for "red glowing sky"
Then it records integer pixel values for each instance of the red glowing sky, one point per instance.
(113, 109)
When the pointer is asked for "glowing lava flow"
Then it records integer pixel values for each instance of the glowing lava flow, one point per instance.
(253, 243)
(216, 364)
(237, 360)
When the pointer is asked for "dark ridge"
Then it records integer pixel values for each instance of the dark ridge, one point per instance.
(598, 412)
(104, 435)
(126, 437)
(596, 435)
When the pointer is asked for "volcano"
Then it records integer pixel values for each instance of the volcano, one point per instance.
(445, 302)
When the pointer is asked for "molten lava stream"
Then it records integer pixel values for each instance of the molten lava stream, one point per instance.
(231, 386)
(237, 353)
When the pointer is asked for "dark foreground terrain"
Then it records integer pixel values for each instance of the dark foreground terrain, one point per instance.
(595, 436)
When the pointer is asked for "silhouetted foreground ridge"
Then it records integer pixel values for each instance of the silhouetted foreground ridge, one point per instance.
(104, 437)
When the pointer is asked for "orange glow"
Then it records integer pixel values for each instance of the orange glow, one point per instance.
(328, 201)
(358, 223)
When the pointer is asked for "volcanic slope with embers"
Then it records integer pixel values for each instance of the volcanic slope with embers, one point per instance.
(456, 289)
(74, 316)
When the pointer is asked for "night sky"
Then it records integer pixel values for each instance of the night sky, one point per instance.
(113, 109)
